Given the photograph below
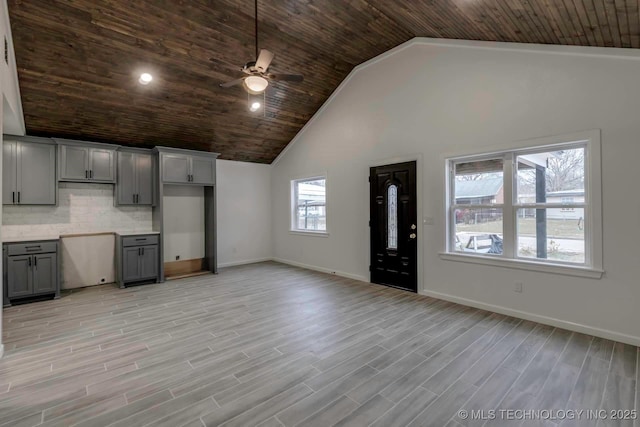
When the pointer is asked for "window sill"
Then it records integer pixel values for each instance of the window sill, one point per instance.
(566, 270)
(309, 233)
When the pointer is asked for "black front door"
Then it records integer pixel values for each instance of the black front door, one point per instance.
(394, 227)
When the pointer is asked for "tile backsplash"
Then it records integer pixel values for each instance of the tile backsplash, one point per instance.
(82, 208)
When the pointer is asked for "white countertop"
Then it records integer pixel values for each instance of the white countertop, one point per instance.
(28, 238)
(137, 233)
(21, 239)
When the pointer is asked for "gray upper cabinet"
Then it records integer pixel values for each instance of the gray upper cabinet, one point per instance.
(176, 168)
(203, 170)
(135, 184)
(86, 161)
(187, 166)
(29, 170)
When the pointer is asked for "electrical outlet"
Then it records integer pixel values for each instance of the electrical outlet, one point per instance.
(518, 287)
(177, 257)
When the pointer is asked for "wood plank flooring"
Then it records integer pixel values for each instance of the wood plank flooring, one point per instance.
(273, 345)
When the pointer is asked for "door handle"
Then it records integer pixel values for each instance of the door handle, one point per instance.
(413, 226)
(412, 236)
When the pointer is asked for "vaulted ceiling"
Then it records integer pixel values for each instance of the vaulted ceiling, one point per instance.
(79, 60)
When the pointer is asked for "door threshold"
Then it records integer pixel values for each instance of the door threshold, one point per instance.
(184, 276)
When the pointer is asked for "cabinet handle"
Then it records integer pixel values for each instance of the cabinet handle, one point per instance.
(134, 198)
(137, 198)
(35, 261)
(13, 197)
(29, 261)
(90, 174)
(18, 197)
(142, 251)
(86, 174)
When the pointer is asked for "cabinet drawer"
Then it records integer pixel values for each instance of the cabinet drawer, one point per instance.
(31, 248)
(151, 239)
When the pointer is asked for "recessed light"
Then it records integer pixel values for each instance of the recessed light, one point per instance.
(145, 78)
(255, 106)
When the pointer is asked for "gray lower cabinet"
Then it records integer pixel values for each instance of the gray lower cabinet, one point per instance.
(31, 270)
(137, 258)
(135, 184)
(28, 172)
(187, 167)
(86, 161)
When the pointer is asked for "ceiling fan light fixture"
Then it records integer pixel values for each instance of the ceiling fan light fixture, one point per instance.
(256, 84)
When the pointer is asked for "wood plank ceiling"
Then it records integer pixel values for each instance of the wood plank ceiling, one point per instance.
(79, 60)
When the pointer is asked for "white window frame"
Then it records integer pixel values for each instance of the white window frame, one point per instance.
(592, 205)
(293, 220)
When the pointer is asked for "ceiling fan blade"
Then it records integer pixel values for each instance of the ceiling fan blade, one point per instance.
(264, 60)
(232, 83)
(287, 77)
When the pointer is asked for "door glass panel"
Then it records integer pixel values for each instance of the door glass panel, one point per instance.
(392, 217)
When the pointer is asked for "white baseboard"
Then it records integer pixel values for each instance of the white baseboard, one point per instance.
(576, 327)
(322, 269)
(243, 262)
(1, 350)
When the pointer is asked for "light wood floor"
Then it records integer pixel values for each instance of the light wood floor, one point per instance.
(274, 345)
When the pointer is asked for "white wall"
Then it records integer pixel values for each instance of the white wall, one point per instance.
(82, 208)
(12, 111)
(183, 216)
(1, 272)
(432, 98)
(244, 212)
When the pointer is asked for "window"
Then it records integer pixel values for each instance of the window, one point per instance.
(309, 203)
(536, 204)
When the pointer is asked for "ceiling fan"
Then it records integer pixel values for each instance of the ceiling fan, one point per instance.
(257, 72)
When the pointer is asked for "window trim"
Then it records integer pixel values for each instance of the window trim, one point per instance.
(593, 205)
(293, 206)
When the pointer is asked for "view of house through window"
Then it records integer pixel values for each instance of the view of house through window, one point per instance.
(548, 201)
(309, 205)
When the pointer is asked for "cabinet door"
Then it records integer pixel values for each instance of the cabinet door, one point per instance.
(175, 168)
(149, 262)
(74, 163)
(45, 273)
(9, 173)
(131, 263)
(203, 170)
(19, 276)
(102, 165)
(36, 173)
(126, 178)
(144, 174)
